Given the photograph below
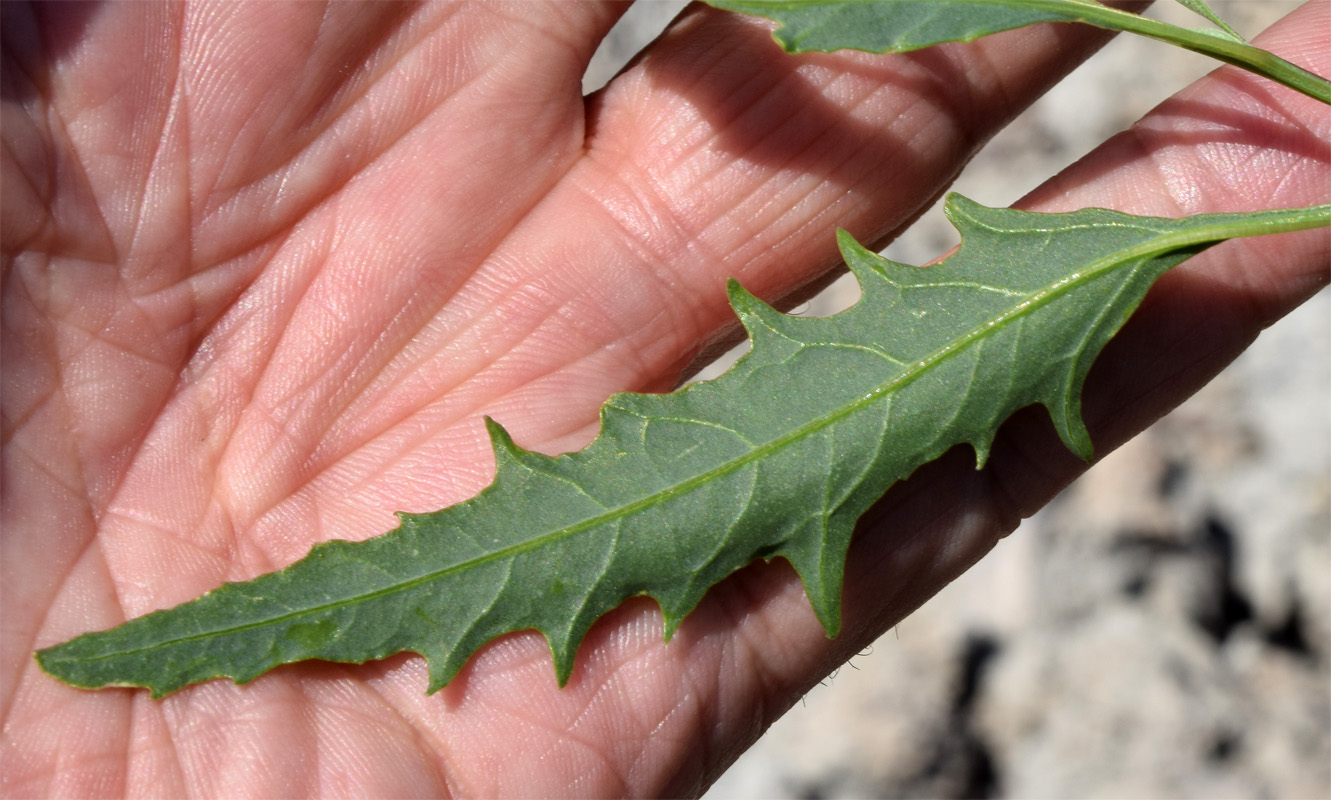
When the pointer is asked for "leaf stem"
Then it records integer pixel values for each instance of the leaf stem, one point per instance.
(1219, 47)
(1262, 223)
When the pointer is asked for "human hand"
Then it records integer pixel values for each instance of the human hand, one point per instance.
(266, 267)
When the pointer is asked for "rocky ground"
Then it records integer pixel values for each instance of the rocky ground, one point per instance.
(1163, 629)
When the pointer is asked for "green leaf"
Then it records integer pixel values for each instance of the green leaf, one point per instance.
(777, 458)
(899, 26)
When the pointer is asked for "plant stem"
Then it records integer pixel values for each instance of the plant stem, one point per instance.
(1222, 48)
(1262, 223)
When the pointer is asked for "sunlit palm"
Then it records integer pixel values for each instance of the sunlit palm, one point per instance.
(266, 266)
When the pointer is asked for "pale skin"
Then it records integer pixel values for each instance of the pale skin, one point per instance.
(266, 267)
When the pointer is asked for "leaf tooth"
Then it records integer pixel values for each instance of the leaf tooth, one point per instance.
(880, 279)
(508, 454)
(981, 445)
(818, 555)
(964, 213)
(442, 667)
(1065, 412)
(863, 262)
(759, 319)
(506, 451)
(564, 651)
(672, 619)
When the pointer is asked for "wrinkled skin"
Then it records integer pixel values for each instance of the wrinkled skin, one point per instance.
(266, 266)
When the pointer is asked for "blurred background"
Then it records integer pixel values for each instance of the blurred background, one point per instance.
(1163, 628)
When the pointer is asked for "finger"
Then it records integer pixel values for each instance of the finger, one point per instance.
(616, 275)
(718, 156)
(1250, 145)
(754, 646)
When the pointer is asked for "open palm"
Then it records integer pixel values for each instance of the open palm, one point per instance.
(266, 267)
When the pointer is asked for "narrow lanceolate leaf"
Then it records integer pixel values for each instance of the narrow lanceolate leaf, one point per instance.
(1200, 8)
(777, 458)
(899, 26)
